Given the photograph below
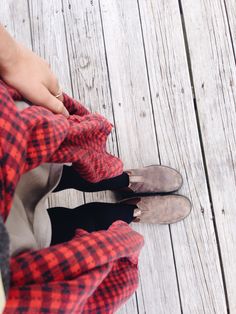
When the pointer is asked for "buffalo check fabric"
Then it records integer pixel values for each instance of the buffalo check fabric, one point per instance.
(94, 272)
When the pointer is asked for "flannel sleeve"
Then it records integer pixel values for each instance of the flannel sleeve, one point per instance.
(109, 257)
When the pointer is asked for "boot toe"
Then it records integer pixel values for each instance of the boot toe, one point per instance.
(176, 208)
(161, 209)
(154, 179)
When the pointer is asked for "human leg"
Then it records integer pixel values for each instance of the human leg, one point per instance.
(147, 180)
(90, 217)
(71, 179)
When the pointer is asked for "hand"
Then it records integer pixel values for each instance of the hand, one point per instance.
(33, 78)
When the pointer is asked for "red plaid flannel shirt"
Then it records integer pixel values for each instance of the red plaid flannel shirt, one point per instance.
(94, 272)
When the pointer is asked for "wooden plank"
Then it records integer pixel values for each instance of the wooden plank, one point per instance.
(90, 77)
(231, 15)
(88, 68)
(194, 241)
(48, 38)
(49, 41)
(214, 76)
(158, 292)
(17, 24)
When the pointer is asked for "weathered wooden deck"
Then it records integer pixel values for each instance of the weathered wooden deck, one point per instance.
(163, 72)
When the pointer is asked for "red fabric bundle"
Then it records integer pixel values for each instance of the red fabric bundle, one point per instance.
(94, 272)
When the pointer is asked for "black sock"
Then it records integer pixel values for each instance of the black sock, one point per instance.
(71, 180)
(90, 217)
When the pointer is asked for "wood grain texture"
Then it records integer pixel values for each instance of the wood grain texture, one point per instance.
(194, 242)
(231, 19)
(214, 77)
(14, 16)
(49, 39)
(158, 291)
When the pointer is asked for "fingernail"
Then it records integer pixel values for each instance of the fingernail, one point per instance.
(65, 112)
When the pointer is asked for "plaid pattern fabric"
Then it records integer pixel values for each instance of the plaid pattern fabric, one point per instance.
(94, 272)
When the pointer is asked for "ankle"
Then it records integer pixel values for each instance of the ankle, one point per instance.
(132, 201)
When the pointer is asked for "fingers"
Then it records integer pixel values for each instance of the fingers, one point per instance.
(54, 87)
(46, 99)
(61, 96)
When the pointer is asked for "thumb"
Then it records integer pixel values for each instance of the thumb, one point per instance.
(47, 100)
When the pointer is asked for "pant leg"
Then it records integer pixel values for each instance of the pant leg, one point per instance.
(90, 217)
(71, 180)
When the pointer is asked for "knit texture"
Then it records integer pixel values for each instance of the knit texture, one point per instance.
(94, 272)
